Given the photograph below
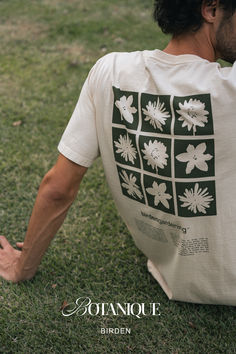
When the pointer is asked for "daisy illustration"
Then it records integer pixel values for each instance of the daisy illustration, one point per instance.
(155, 154)
(130, 185)
(126, 111)
(156, 114)
(126, 149)
(196, 200)
(195, 157)
(193, 114)
(159, 192)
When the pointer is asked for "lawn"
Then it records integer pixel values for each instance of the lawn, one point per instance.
(47, 49)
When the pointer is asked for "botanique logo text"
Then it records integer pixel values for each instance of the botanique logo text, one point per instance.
(84, 306)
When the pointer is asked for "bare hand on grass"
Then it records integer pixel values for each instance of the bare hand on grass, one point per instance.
(8, 259)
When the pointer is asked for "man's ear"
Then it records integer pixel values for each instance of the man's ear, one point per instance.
(209, 10)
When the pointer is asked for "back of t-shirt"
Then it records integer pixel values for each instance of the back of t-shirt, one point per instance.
(165, 128)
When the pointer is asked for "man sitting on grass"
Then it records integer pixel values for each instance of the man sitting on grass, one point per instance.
(164, 124)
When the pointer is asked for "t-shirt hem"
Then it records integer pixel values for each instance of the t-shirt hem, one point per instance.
(74, 156)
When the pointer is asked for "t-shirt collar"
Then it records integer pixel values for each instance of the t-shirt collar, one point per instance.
(175, 59)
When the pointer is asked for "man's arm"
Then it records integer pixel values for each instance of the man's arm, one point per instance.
(57, 192)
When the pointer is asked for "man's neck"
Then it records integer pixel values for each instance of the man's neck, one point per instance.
(196, 43)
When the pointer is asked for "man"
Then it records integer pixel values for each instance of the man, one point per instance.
(164, 124)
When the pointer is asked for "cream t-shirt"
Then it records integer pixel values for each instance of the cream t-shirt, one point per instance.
(165, 127)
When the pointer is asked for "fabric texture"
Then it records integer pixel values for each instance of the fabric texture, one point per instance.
(165, 128)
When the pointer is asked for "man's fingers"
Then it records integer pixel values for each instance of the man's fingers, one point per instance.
(4, 242)
(20, 244)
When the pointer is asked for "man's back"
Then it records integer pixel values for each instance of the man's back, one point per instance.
(164, 126)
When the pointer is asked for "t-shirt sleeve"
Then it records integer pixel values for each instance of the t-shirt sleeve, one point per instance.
(79, 142)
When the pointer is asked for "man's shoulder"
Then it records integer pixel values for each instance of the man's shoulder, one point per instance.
(116, 64)
(124, 58)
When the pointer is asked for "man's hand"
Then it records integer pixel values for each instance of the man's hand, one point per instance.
(8, 259)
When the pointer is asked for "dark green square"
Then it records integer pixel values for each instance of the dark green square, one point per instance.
(130, 182)
(159, 194)
(199, 199)
(156, 113)
(128, 103)
(124, 147)
(156, 155)
(200, 155)
(193, 115)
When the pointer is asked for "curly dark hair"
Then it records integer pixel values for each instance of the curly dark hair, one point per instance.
(180, 16)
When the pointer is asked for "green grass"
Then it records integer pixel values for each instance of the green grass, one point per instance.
(47, 49)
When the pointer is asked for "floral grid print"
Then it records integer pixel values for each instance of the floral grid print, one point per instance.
(164, 149)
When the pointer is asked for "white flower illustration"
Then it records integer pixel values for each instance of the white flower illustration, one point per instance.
(159, 193)
(196, 200)
(130, 185)
(125, 148)
(155, 154)
(156, 114)
(195, 157)
(126, 111)
(193, 114)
